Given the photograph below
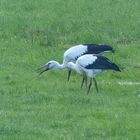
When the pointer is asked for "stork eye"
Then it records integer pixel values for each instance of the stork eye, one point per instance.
(48, 64)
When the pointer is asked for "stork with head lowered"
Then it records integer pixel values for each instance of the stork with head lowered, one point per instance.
(91, 65)
(73, 53)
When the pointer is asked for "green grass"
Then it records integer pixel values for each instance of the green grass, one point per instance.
(47, 107)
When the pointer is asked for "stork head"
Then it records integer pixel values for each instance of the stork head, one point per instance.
(51, 65)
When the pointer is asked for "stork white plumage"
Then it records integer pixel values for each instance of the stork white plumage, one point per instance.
(73, 53)
(91, 65)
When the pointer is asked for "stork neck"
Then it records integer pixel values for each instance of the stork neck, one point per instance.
(60, 66)
(75, 67)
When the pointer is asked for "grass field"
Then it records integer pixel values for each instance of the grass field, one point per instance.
(50, 108)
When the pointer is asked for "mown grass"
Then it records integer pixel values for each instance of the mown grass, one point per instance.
(48, 107)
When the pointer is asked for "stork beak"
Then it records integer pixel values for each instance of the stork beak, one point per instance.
(43, 69)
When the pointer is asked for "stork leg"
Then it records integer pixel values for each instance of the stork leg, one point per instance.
(86, 81)
(89, 85)
(95, 82)
(69, 73)
(84, 78)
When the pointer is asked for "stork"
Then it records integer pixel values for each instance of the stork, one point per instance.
(91, 65)
(73, 53)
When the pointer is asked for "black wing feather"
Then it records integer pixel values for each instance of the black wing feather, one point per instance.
(103, 63)
(96, 49)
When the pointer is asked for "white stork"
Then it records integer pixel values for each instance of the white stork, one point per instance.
(73, 53)
(91, 65)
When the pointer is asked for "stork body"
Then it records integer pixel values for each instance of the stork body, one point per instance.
(73, 53)
(91, 65)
